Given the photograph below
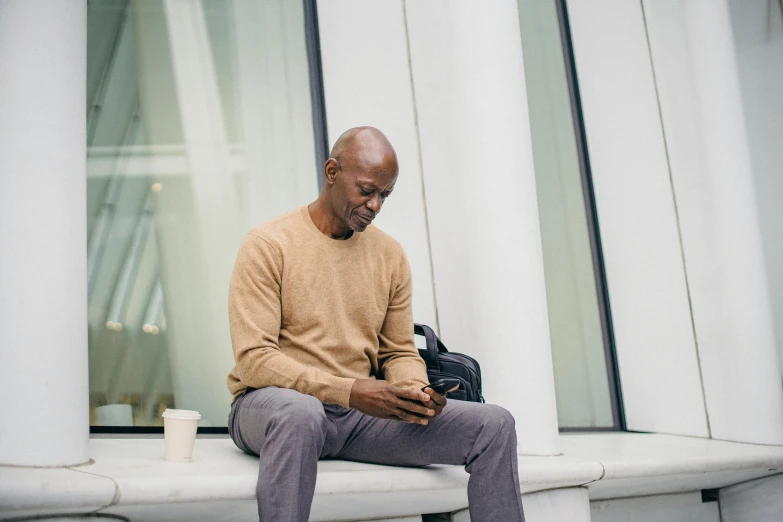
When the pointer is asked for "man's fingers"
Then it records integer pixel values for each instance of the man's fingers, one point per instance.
(437, 398)
(410, 394)
(410, 417)
(414, 407)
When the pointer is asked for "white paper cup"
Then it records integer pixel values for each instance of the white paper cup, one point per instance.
(114, 415)
(179, 434)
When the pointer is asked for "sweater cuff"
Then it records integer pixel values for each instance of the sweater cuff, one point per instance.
(412, 383)
(340, 392)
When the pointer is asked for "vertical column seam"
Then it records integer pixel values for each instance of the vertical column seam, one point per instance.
(420, 161)
(677, 220)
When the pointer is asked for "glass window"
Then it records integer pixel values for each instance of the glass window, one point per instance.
(583, 380)
(199, 127)
(758, 39)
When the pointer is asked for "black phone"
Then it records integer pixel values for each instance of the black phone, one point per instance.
(442, 386)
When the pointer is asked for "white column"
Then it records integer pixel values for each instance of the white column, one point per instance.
(698, 83)
(658, 364)
(469, 91)
(44, 416)
(732, 309)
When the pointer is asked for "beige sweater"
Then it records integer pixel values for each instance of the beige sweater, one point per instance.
(313, 314)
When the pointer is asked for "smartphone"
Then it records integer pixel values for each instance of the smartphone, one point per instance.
(442, 386)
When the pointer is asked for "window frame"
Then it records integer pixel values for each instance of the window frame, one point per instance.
(321, 141)
(594, 231)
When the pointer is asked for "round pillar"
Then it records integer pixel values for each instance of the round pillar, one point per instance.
(723, 244)
(44, 412)
(477, 164)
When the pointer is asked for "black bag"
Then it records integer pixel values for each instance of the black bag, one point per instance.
(443, 364)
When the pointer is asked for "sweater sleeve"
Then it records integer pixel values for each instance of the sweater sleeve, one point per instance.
(398, 357)
(254, 312)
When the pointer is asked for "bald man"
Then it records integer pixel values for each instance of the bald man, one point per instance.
(322, 333)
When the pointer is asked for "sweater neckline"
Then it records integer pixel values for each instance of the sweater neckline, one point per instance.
(323, 238)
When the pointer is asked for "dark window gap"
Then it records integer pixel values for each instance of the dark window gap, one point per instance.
(599, 266)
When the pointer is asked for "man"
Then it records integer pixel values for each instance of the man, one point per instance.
(322, 332)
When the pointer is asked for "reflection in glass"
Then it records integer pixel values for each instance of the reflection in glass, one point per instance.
(578, 353)
(758, 38)
(199, 127)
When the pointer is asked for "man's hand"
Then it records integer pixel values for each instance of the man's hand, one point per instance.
(386, 401)
(437, 401)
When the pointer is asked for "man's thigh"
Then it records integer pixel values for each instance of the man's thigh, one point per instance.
(269, 410)
(447, 439)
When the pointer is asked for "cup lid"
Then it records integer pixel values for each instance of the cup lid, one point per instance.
(181, 414)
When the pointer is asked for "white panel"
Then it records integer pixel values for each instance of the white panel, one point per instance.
(43, 234)
(557, 505)
(570, 504)
(758, 34)
(661, 508)
(367, 82)
(756, 501)
(478, 171)
(698, 83)
(652, 324)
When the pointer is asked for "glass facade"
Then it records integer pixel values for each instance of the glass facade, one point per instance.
(578, 337)
(199, 127)
(758, 38)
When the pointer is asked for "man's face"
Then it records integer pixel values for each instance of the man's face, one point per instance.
(360, 191)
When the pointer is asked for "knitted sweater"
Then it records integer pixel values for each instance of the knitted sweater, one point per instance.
(313, 314)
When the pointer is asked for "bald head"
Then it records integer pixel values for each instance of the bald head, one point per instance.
(358, 177)
(364, 147)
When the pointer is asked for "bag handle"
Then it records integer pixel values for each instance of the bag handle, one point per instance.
(434, 346)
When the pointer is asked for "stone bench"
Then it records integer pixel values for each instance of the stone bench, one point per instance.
(129, 478)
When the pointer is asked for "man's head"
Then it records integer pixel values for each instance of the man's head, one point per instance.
(359, 175)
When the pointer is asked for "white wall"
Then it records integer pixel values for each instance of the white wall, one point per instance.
(380, 95)
(755, 501)
(655, 341)
(43, 234)
(698, 83)
(571, 504)
(659, 508)
(679, 220)
(758, 37)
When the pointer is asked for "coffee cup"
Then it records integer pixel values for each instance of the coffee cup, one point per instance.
(179, 434)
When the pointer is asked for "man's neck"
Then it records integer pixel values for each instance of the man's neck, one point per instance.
(326, 222)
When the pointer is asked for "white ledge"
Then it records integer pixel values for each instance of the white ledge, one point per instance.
(130, 478)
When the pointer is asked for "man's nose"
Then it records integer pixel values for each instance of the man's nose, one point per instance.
(374, 203)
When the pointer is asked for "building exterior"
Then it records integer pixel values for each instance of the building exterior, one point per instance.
(588, 196)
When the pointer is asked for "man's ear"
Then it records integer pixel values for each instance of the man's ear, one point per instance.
(331, 167)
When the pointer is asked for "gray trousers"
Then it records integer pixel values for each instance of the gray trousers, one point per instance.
(291, 431)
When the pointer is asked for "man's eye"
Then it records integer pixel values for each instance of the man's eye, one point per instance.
(366, 192)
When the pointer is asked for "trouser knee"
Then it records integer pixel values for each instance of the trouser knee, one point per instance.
(303, 420)
(498, 421)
